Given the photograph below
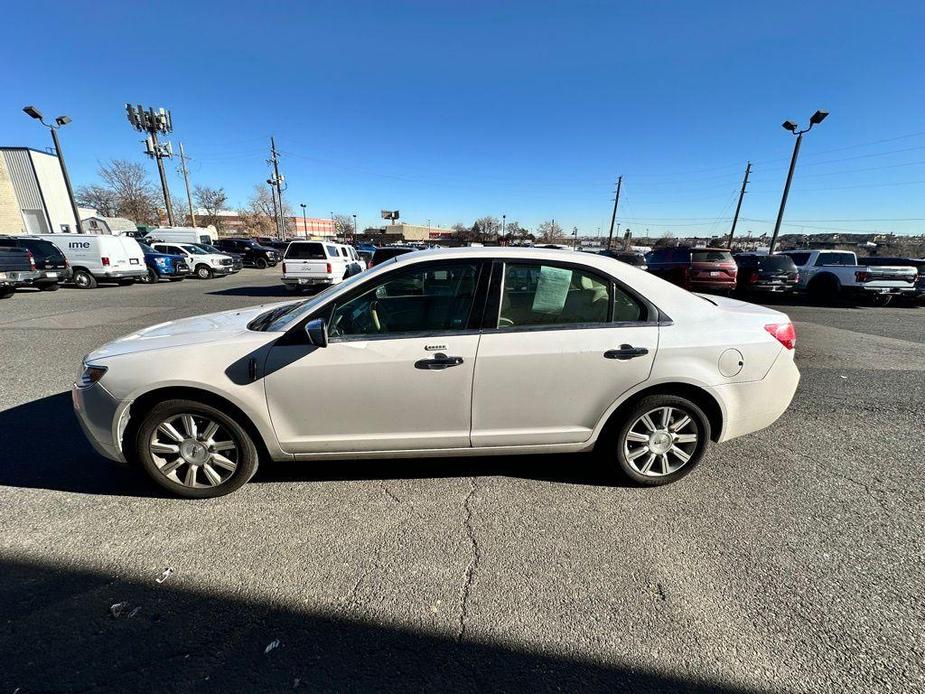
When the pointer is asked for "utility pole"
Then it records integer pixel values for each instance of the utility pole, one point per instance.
(735, 219)
(154, 122)
(613, 217)
(276, 187)
(189, 196)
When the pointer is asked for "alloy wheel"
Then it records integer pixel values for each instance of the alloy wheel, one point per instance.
(194, 450)
(661, 441)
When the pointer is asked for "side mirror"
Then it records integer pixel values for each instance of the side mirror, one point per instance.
(317, 331)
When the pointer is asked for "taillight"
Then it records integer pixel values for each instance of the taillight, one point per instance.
(862, 276)
(31, 259)
(784, 333)
(284, 268)
(330, 269)
(105, 260)
(752, 276)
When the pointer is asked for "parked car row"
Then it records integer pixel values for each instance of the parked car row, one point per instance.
(823, 275)
(47, 261)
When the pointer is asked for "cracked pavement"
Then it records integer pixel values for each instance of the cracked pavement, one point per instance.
(792, 560)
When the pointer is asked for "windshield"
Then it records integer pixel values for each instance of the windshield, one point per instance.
(279, 319)
(195, 250)
(146, 248)
(209, 248)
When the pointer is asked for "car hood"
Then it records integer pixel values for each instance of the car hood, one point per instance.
(212, 327)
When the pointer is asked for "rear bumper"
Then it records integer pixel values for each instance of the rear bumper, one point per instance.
(754, 405)
(308, 281)
(96, 411)
(710, 286)
(774, 288)
(121, 274)
(52, 276)
(22, 278)
(908, 290)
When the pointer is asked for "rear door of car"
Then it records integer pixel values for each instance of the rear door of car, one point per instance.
(560, 343)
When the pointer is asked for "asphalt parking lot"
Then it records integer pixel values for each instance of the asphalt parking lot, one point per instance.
(792, 560)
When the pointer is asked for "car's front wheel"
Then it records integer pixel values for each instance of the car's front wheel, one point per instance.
(662, 439)
(261, 263)
(194, 450)
(150, 277)
(204, 272)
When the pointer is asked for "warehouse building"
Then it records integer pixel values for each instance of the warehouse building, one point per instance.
(33, 196)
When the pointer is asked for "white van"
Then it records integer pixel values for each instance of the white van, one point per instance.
(181, 235)
(100, 258)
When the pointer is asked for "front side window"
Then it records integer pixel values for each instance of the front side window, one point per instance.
(421, 299)
(543, 294)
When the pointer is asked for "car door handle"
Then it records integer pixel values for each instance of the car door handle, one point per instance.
(625, 352)
(439, 362)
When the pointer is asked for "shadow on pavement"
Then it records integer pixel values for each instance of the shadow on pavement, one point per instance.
(61, 635)
(43, 447)
(261, 290)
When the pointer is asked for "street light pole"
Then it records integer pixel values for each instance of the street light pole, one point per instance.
(33, 112)
(304, 220)
(815, 119)
(354, 228)
(504, 229)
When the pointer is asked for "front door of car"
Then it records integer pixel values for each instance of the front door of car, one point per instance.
(396, 373)
(562, 343)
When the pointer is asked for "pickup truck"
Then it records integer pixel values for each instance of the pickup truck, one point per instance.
(17, 267)
(313, 263)
(827, 275)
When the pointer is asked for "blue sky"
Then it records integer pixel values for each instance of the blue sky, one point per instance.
(449, 111)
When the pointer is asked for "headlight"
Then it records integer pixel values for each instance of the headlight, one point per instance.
(91, 374)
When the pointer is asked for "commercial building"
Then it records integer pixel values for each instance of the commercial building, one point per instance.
(33, 196)
(416, 232)
(311, 227)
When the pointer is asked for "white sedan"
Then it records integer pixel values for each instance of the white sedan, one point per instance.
(469, 351)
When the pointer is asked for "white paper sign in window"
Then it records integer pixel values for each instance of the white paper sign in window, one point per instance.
(551, 290)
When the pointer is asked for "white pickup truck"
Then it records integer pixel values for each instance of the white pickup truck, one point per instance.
(826, 275)
(314, 263)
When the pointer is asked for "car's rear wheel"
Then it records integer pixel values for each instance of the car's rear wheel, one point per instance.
(50, 287)
(662, 439)
(194, 450)
(84, 280)
(823, 288)
(6, 292)
(204, 272)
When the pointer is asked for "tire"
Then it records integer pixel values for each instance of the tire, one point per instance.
(7, 292)
(176, 279)
(194, 480)
(84, 280)
(53, 287)
(151, 278)
(647, 467)
(292, 288)
(823, 288)
(204, 272)
(125, 282)
(261, 263)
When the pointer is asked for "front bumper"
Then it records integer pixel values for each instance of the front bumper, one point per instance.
(173, 272)
(97, 411)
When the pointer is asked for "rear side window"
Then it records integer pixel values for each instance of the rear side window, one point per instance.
(711, 257)
(305, 251)
(835, 259)
(545, 294)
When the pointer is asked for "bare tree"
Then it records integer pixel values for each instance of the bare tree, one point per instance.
(550, 232)
(258, 215)
(180, 209)
(489, 227)
(213, 201)
(102, 199)
(127, 192)
(343, 225)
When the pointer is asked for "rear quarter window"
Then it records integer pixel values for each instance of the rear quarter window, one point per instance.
(798, 258)
(305, 251)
